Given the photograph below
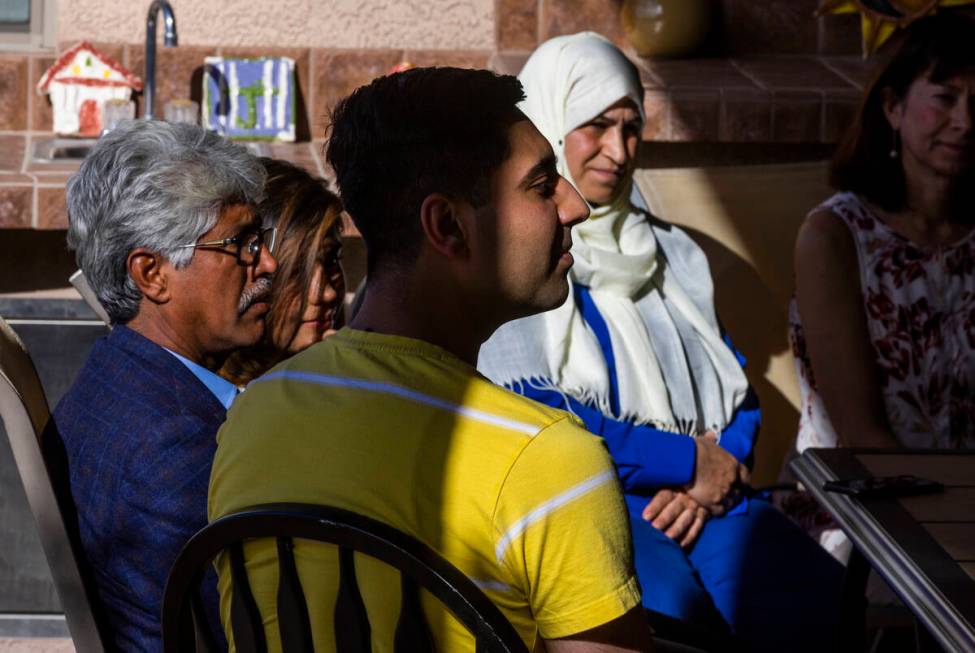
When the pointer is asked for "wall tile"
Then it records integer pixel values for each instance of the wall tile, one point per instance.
(300, 154)
(13, 92)
(318, 146)
(656, 105)
(571, 16)
(337, 73)
(302, 58)
(790, 73)
(53, 178)
(839, 34)
(839, 109)
(517, 24)
(781, 26)
(696, 73)
(52, 211)
(41, 115)
(509, 63)
(854, 70)
(647, 75)
(694, 115)
(746, 116)
(15, 206)
(797, 117)
(455, 58)
(12, 153)
(179, 72)
(15, 179)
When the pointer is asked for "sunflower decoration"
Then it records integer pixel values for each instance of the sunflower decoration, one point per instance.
(880, 18)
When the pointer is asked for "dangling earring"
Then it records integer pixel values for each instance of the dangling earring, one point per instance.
(894, 145)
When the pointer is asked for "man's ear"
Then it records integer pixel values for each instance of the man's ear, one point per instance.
(150, 272)
(446, 225)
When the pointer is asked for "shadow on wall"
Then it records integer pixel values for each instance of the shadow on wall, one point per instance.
(756, 321)
(34, 260)
(746, 219)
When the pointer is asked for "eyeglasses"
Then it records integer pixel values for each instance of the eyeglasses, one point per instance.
(246, 245)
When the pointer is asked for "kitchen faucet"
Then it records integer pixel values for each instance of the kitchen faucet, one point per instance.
(169, 40)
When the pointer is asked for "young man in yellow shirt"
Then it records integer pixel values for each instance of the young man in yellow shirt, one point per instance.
(466, 223)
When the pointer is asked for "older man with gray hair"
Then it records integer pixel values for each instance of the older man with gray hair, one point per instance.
(162, 224)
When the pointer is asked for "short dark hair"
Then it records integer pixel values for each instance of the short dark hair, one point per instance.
(939, 47)
(404, 136)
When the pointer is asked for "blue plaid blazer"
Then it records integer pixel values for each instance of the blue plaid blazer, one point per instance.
(140, 434)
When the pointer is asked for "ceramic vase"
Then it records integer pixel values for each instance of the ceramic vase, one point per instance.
(666, 28)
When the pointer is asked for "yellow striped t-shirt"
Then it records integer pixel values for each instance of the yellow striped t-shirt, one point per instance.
(515, 494)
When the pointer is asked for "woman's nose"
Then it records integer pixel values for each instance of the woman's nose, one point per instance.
(961, 116)
(329, 292)
(614, 146)
(266, 264)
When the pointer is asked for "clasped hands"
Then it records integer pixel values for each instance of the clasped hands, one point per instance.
(680, 513)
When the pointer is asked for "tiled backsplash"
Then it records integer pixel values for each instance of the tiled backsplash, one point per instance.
(772, 72)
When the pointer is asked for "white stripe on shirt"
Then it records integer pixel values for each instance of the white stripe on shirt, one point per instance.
(549, 506)
(488, 584)
(404, 393)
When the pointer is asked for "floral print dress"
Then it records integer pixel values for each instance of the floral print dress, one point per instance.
(920, 309)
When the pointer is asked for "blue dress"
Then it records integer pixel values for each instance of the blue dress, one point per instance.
(751, 570)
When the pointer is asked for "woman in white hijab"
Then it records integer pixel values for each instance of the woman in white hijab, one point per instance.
(637, 353)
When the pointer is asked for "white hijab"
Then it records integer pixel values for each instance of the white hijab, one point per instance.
(649, 281)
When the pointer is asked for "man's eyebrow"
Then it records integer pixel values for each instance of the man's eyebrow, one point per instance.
(544, 168)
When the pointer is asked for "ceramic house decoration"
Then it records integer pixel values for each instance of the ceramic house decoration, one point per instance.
(79, 83)
(250, 98)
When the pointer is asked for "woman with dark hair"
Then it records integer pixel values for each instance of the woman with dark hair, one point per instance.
(309, 287)
(883, 322)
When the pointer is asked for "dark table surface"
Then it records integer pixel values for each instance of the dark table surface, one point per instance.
(924, 546)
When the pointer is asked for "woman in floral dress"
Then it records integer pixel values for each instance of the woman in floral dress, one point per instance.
(883, 322)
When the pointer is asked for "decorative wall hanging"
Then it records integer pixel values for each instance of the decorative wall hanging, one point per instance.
(880, 18)
(250, 98)
(79, 83)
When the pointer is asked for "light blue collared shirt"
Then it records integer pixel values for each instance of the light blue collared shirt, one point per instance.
(222, 389)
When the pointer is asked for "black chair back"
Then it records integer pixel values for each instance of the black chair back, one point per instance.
(419, 566)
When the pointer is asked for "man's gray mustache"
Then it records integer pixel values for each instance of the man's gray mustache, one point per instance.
(259, 291)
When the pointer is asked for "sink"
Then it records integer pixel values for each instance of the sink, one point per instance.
(53, 150)
(68, 150)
